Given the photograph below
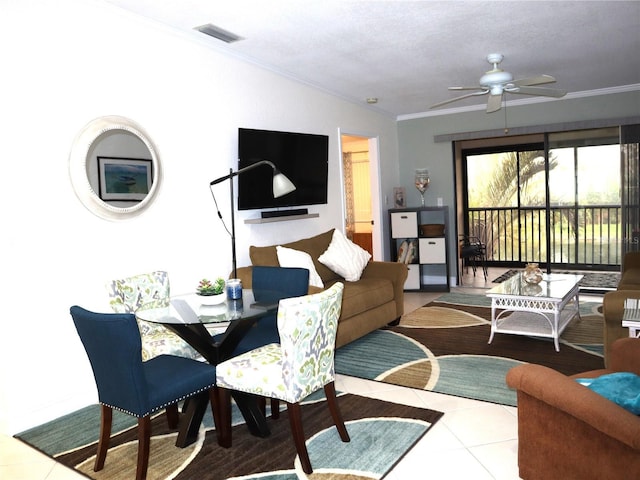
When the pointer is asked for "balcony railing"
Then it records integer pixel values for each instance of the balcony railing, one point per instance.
(583, 237)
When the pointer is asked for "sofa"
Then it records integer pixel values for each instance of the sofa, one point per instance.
(567, 431)
(613, 302)
(374, 300)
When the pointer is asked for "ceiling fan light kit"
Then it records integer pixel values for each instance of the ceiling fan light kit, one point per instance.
(497, 82)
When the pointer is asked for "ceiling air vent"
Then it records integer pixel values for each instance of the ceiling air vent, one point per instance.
(219, 33)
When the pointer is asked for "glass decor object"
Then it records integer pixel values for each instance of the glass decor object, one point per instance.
(532, 274)
(422, 181)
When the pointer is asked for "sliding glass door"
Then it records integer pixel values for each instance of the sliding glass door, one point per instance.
(559, 205)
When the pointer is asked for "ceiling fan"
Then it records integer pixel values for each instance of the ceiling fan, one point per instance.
(496, 82)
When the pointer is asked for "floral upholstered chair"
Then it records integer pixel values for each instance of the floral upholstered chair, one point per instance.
(290, 371)
(151, 290)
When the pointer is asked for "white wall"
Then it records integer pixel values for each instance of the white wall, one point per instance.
(68, 62)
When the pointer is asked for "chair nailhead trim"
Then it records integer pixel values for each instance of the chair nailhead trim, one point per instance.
(160, 407)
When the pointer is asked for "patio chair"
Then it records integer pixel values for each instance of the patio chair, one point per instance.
(473, 251)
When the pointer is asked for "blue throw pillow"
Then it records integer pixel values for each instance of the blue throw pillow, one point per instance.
(622, 388)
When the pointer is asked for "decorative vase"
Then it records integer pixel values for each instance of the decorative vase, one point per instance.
(532, 274)
(421, 181)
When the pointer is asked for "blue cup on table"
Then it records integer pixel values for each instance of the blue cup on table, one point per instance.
(234, 289)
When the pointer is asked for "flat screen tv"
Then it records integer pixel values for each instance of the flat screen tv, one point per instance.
(302, 157)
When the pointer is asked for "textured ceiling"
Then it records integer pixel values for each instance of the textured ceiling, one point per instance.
(406, 53)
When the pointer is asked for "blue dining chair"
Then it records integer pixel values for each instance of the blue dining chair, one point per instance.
(270, 285)
(126, 383)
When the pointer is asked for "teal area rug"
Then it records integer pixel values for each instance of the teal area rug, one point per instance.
(381, 434)
(442, 347)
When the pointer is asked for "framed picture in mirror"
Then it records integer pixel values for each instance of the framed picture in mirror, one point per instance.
(124, 179)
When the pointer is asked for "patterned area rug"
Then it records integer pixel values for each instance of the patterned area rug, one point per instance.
(381, 433)
(442, 347)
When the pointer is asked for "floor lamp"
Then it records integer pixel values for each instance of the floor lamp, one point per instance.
(281, 186)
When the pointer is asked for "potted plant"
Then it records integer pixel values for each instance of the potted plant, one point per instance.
(212, 292)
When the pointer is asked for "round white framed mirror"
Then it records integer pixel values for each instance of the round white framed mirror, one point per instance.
(114, 168)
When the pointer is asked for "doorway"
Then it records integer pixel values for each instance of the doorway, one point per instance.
(360, 192)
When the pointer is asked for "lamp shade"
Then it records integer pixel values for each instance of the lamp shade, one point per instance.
(281, 185)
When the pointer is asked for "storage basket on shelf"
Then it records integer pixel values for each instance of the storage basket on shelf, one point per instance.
(432, 230)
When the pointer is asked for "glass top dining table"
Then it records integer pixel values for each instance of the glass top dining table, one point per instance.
(194, 309)
(192, 318)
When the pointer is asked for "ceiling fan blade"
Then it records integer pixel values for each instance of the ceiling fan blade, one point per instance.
(466, 88)
(538, 80)
(542, 91)
(475, 94)
(494, 103)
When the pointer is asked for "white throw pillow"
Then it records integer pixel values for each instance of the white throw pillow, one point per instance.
(345, 257)
(288, 257)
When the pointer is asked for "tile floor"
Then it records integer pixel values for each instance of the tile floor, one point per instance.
(472, 440)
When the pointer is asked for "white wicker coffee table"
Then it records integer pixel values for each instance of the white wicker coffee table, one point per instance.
(542, 310)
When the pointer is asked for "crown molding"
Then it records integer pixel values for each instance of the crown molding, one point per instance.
(538, 129)
(526, 101)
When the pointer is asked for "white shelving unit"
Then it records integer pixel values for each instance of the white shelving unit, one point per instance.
(426, 257)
